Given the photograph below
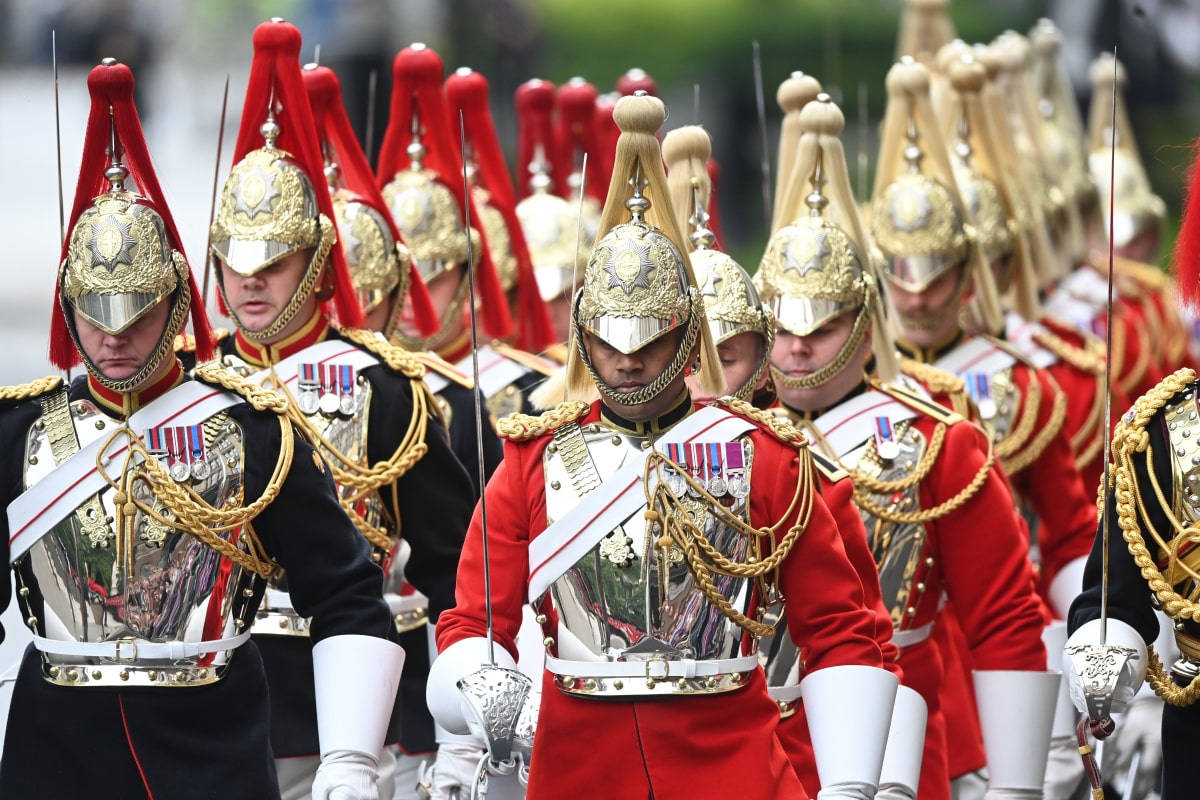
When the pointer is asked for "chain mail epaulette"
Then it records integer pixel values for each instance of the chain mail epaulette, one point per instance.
(781, 429)
(518, 427)
(10, 395)
(186, 342)
(396, 358)
(260, 399)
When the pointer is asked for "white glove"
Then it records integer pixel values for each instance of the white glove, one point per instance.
(355, 679)
(1139, 730)
(460, 659)
(849, 709)
(1064, 768)
(453, 773)
(346, 775)
(1013, 794)
(1119, 634)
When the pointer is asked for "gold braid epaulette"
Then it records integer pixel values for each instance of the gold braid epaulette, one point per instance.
(260, 399)
(517, 427)
(1087, 358)
(938, 381)
(397, 358)
(1132, 437)
(781, 429)
(25, 391)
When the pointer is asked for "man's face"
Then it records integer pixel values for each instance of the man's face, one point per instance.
(442, 290)
(924, 317)
(119, 356)
(629, 373)
(740, 356)
(257, 300)
(800, 356)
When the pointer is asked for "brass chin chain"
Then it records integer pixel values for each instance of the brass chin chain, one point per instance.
(744, 391)
(814, 379)
(188, 511)
(417, 344)
(653, 389)
(166, 346)
(668, 514)
(299, 297)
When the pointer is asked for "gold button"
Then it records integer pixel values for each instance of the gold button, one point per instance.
(618, 685)
(152, 674)
(123, 674)
(99, 424)
(555, 485)
(540, 619)
(96, 674)
(548, 641)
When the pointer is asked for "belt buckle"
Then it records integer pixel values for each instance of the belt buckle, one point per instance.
(125, 640)
(652, 679)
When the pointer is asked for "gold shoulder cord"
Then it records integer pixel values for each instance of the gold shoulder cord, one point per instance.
(1017, 450)
(1132, 437)
(865, 485)
(668, 514)
(781, 429)
(188, 511)
(362, 479)
(32, 389)
(1139, 369)
(517, 427)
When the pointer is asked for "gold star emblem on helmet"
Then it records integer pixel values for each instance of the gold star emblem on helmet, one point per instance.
(806, 250)
(710, 283)
(910, 209)
(256, 190)
(111, 241)
(628, 265)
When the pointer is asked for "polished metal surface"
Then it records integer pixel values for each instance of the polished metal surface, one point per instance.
(158, 585)
(646, 607)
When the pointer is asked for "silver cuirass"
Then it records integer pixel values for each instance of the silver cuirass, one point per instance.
(627, 599)
(148, 593)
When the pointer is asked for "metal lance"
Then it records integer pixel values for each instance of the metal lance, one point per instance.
(212, 209)
(495, 695)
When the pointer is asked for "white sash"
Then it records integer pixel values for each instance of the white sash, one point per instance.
(435, 381)
(496, 371)
(853, 422)
(570, 538)
(1020, 333)
(288, 370)
(976, 355)
(48, 502)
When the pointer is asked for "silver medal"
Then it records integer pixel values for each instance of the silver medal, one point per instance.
(987, 407)
(675, 484)
(200, 470)
(179, 471)
(308, 402)
(329, 404)
(887, 449)
(347, 405)
(717, 487)
(739, 487)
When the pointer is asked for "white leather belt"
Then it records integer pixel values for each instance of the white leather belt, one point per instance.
(912, 636)
(135, 650)
(659, 669)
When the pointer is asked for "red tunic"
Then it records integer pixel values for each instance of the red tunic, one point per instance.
(700, 746)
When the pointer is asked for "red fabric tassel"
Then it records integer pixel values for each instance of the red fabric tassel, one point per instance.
(578, 133)
(335, 132)
(111, 88)
(275, 78)
(1187, 246)
(467, 93)
(534, 101)
(417, 85)
(607, 134)
(714, 216)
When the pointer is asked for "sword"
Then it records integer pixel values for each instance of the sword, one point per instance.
(62, 223)
(372, 81)
(578, 242)
(494, 694)
(762, 127)
(1100, 665)
(212, 210)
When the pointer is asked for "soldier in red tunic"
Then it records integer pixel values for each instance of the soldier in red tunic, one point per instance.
(651, 535)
